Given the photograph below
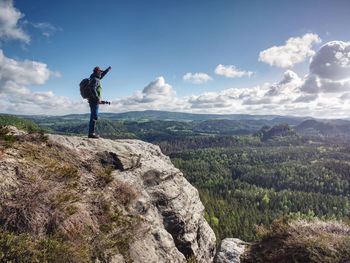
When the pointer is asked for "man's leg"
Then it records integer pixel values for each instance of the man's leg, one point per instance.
(93, 118)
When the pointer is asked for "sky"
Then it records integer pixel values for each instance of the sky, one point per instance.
(284, 57)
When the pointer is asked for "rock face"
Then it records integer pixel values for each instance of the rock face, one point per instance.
(230, 251)
(170, 223)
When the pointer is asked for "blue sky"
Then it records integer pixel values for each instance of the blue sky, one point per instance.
(226, 56)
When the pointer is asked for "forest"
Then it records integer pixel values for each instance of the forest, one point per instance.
(247, 172)
(242, 186)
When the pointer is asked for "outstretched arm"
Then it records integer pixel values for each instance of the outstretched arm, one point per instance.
(105, 72)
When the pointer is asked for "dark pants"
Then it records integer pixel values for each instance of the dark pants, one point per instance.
(93, 117)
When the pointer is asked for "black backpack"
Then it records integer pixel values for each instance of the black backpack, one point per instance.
(84, 88)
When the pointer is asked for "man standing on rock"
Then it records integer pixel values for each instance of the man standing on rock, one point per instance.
(95, 98)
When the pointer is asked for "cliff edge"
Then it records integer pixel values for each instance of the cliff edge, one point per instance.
(73, 199)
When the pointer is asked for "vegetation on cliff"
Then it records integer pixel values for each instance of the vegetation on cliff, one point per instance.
(292, 241)
(48, 195)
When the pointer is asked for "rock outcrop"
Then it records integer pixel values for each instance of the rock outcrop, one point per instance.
(230, 251)
(125, 191)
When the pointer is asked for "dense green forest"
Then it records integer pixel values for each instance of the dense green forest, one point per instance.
(247, 185)
(255, 179)
(247, 172)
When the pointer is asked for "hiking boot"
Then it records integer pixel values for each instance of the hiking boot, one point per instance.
(94, 136)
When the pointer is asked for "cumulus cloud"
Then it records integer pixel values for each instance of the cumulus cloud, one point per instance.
(332, 61)
(156, 95)
(345, 96)
(230, 71)
(295, 50)
(196, 78)
(157, 90)
(306, 98)
(287, 87)
(323, 92)
(283, 97)
(209, 100)
(9, 22)
(16, 76)
(329, 70)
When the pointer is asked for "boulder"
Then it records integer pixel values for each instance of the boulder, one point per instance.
(230, 251)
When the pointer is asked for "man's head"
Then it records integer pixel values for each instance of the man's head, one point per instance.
(98, 71)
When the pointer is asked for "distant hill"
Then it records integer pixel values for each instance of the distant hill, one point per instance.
(280, 130)
(167, 115)
(160, 125)
(177, 116)
(336, 128)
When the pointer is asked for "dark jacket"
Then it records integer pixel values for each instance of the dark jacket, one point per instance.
(95, 87)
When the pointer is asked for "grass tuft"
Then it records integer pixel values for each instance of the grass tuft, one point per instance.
(106, 175)
(24, 248)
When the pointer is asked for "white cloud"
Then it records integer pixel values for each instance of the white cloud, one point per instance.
(345, 96)
(157, 90)
(287, 87)
(46, 28)
(320, 93)
(16, 97)
(295, 50)
(332, 61)
(230, 71)
(9, 19)
(329, 70)
(306, 98)
(156, 95)
(16, 75)
(196, 78)
(209, 100)
(284, 97)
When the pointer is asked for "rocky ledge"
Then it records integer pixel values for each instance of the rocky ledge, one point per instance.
(117, 200)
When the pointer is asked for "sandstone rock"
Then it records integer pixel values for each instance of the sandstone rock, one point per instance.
(230, 251)
(14, 131)
(174, 225)
(58, 185)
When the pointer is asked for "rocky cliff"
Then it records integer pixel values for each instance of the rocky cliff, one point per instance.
(97, 201)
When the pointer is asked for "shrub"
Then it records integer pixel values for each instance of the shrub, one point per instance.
(301, 241)
(6, 140)
(106, 175)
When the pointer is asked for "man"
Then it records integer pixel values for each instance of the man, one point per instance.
(95, 98)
